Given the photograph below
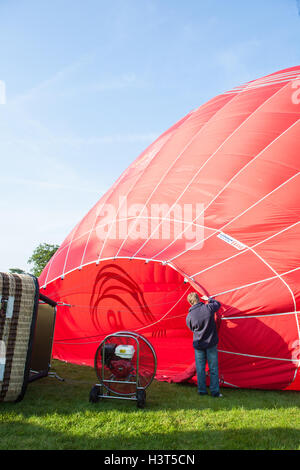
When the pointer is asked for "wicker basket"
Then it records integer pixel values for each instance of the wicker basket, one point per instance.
(19, 297)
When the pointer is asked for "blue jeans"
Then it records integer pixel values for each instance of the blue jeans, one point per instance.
(211, 356)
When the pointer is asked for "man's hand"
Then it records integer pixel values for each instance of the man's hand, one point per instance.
(204, 297)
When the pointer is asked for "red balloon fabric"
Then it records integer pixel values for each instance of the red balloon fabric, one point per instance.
(212, 206)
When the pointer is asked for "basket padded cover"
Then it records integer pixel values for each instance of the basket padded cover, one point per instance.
(18, 306)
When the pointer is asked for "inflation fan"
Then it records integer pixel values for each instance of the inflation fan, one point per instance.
(125, 364)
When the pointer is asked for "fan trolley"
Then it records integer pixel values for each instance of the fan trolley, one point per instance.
(125, 364)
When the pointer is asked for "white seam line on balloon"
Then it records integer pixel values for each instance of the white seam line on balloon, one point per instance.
(259, 281)
(110, 258)
(130, 189)
(166, 139)
(60, 250)
(290, 290)
(168, 312)
(180, 221)
(259, 315)
(196, 174)
(173, 163)
(157, 185)
(296, 371)
(69, 247)
(164, 316)
(271, 268)
(77, 238)
(142, 217)
(274, 76)
(293, 297)
(268, 79)
(288, 287)
(262, 85)
(215, 295)
(255, 283)
(279, 76)
(246, 249)
(219, 350)
(232, 179)
(125, 173)
(239, 215)
(213, 154)
(255, 87)
(67, 255)
(259, 357)
(228, 318)
(163, 177)
(100, 308)
(294, 301)
(284, 282)
(63, 247)
(188, 117)
(271, 81)
(216, 230)
(144, 327)
(277, 276)
(251, 86)
(50, 264)
(243, 317)
(109, 193)
(264, 261)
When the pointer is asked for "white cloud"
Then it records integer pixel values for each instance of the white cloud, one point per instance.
(46, 84)
(51, 185)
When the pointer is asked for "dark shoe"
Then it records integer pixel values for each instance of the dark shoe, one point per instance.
(217, 395)
(202, 393)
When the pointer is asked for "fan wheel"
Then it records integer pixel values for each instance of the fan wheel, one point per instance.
(141, 398)
(95, 394)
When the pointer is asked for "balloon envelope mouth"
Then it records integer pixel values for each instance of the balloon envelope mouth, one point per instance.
(147, 298)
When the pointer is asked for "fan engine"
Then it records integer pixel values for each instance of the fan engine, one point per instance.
(118, 358)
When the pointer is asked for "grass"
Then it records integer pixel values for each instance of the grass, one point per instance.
(58, 415)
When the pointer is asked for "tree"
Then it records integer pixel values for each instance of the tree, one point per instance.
(40, 257)
(17, 271)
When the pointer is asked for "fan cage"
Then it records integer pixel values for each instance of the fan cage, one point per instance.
(144, 364)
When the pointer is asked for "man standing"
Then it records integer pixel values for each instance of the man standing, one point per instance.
(200, 320)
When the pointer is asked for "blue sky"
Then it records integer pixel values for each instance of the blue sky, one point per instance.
(90, 84)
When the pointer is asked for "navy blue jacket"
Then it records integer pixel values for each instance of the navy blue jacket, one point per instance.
(201, 321)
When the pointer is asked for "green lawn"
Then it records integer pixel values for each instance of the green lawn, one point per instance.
(58, 415)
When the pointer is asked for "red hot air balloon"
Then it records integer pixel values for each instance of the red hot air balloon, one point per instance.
(213, 205)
